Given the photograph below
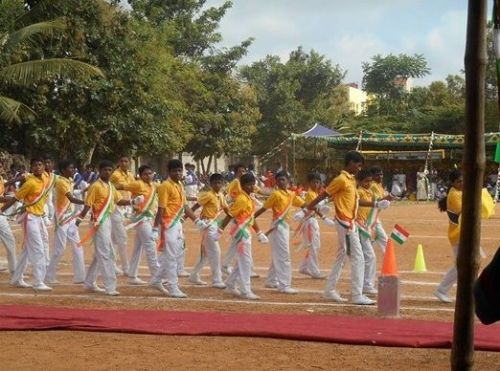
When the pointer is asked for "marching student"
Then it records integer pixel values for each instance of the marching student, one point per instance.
(342, 190)
(6, 235)
(365, 221)
(142, 221)
(379, 193)
(121, 176)
(309, 228)
(102, 198)
(65, 225)
(49, 205)
(213, 204)
(242, 210)
(233, 190)
(171, 208)
(33, 193)
(281, 201)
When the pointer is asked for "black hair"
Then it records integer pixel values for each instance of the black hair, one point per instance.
(313, 176)
(452, 177)
(143, 168)
(36, 159)
(353, 156)
(215, 177)
(363, 174)
(174, 164)
(238, 166)
(247, 178)
(105, 163)
(63, 165)
(282, 173)
(375, 170)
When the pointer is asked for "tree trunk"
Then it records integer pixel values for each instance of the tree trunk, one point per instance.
(462, 355)
(90, 154)
(210, 158)
(202, 166)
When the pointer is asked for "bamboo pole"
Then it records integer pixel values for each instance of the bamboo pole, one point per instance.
(462, 355)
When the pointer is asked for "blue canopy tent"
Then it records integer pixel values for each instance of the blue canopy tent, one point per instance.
(319, 131)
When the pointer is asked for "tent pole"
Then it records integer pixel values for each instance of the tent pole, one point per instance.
(358, 146)
(462, 354)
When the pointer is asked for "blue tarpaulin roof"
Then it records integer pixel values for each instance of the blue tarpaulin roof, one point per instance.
(319, 131)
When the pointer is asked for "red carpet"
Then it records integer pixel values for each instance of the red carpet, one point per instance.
(335, 329)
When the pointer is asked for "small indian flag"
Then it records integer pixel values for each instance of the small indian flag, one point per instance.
(399, 234)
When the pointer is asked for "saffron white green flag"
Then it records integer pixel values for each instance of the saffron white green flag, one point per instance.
(399, 234)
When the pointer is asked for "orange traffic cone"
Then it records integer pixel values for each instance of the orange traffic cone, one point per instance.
(389, 267)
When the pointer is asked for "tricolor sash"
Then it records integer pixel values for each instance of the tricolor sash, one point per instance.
(101, 215)
(47, 188)
(145, 210)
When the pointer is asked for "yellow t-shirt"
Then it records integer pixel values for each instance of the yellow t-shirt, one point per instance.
(279, 201)
(2, 189)
(31, 189)
(141, 188)
(63, 186)
(454, 205)
(98, 194)
(345, 197)
(378, 190)
(123, 178)
(212, 203)
(234, 189)
(243, 207)
(310, 196)
(171, 198)
(363, 211)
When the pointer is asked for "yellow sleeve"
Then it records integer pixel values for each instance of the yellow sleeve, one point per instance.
(63, 187)
(115, 178)
(91, 194)
(162, 196)
(238, 207)
(223, 202)
(204, 198)
(134, 186)
(335, 186)
(297, 201)
(116, 195)
(271, 200)
(25, 190)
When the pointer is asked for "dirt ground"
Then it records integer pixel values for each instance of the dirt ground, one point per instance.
(81, 350)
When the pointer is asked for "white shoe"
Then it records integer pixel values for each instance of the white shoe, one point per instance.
(159, 286)
(320, 276)
(42, 287)
(136, 281)
(183, 274)
(442, 297)
(118, 271)
(21, 284)
(363, 300)
(226, 270)
(305, 271)
(94, 289)
(271, 285)
(112, 293)
(288, 290)
(174, 292)
(219, 285)
(370, 291)
(53, 282)
(254, 275)
(232, 291)
(334, 296)
(249, 296)
(196, 280)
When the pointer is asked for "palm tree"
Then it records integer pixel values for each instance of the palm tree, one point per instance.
(26, 73)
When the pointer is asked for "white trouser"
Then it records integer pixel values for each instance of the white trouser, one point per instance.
(380, 235)
(103, 260)
(8, 241)
(181, 258)
(172, 248)
(370, 262)
(229, 256)
(346, 241)
(312, 242)
(119, 238)
(280, 271)
(143, 241)
(33, 250)
(68, 231)
(450, 277)
(45, 240)
(210, 250)
(243, 268)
